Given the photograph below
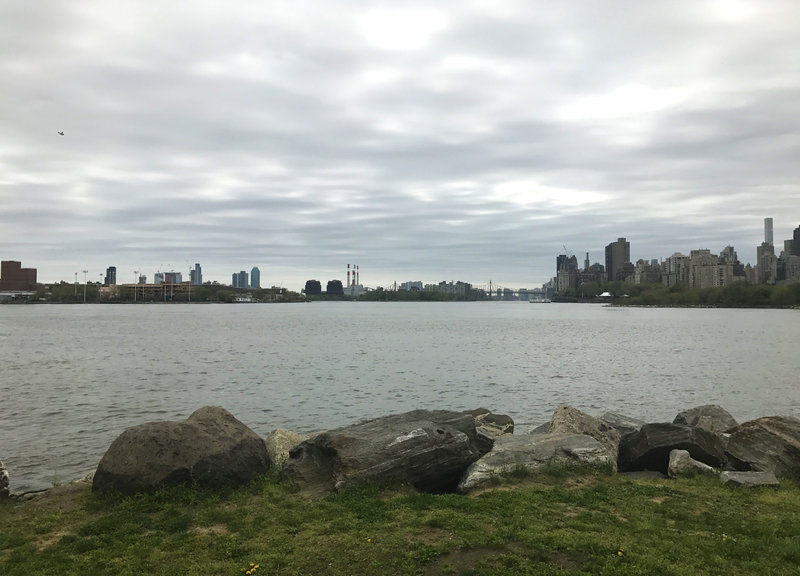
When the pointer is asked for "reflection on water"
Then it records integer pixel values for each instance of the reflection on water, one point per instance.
(73, 377)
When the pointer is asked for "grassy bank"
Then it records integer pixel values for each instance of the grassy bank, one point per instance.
(550, 524)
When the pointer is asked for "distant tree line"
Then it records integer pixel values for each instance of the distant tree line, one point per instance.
(735, 295)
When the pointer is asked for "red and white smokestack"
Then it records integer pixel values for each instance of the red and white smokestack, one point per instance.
(348, 275)
(357, 275)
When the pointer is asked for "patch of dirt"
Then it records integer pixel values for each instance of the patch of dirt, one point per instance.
(569, 560)
(65, 498)
(460, 562)
(214, 529)
(658, 499)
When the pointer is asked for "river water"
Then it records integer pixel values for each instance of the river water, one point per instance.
(73, 377)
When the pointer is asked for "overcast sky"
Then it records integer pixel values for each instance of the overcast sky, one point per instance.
(469, 140)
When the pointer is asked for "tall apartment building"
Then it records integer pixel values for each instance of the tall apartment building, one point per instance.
(255, 278)
(617, 254)
(111, 276)
(796, 242)
(196, 275)
(675, 270)
(767, 264)
(239, 280)
(702, 269)
(768, 231)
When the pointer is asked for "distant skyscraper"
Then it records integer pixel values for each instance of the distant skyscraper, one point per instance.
(728, 254)
(768, 231)
(617, 254)
(586, 262)
(796, 242)
(111, 276)
(239, 279)
(196, 275)
(255, 278)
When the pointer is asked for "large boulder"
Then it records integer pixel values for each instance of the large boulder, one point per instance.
(569, 420)
(768, 444)
(721, 420)
(4, 481)
(649, 448)
(623, 424)
(428, 449)
(490, 426)
(531, 452)
(211, 448)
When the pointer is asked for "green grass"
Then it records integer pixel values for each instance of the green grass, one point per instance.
(543, 524)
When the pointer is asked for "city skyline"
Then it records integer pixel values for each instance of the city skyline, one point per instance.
(473, 141)
(617, 252)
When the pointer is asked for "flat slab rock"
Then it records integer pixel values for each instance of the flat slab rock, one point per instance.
(428, 449)
(749, 479)
(532, 452)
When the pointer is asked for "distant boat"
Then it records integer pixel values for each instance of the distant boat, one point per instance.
(539, 301)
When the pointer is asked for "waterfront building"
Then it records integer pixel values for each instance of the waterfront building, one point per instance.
(14, 277)
(411, 285)
(239, 280)
(702, 268)
(255, 278)
(646, 272)
(196, 275)
(111, 276)
(766, 264)
(728, 254)
(617, 254)
(676, 270)
(793, 268)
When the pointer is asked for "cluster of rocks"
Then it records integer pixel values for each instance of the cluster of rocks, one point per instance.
(445, 451)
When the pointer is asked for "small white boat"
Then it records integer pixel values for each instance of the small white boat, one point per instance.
(539, 300)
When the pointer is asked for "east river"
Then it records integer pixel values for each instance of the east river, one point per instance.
(73, 377)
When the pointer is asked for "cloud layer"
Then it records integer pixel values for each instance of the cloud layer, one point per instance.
(469, 142)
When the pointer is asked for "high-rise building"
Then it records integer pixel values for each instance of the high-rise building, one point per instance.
(196, 275)
(111, 276)
(255, 278)
(728, 254)
(617, 254)
(796, 242)
(767, 265)
(768, 231)
(239, 280)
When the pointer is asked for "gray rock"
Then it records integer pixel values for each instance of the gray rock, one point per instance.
(768, 444)
(531, 452)
(490, 426)
(279, 442)
(4, 481)
(623, 424)
(210, 448)
(540, 429)
(569, 420)
(749, 479)
(649, 448)
(720, 418)
(425, 448)
(682, 464)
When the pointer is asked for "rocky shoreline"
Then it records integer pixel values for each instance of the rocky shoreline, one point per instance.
(443, 451)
